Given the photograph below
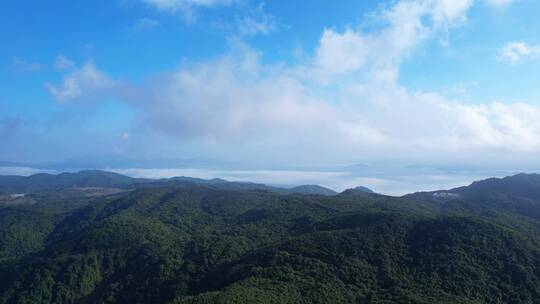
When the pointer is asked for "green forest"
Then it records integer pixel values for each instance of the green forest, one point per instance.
(189, 241)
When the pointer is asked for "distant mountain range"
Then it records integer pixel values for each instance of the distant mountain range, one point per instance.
(97, 178)
(502, 192)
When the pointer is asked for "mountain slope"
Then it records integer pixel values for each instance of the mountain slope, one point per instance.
(200, 244)
(517, 195)
(386, 259)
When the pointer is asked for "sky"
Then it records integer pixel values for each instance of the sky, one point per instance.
(419, 93)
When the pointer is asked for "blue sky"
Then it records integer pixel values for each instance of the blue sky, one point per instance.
(273, 85)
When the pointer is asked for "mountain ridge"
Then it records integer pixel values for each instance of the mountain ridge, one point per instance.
(100, 178)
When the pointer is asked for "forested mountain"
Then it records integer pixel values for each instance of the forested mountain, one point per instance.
(201, 243)
(312, 189)
(104, 179)
(44, 181)
(518, 195)
(361, 189)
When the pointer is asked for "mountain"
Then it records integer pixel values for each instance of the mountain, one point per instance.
(45, 181)
(520, 185)
(518, 195)
(183, 242)
(312, 189)
(363, 189)
(360, 190)
(104, 179)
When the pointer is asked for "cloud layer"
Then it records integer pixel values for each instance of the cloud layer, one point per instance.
(345, 102)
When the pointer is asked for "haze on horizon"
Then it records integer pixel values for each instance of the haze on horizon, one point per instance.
(429, 94)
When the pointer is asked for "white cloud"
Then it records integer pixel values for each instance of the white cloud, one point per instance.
(407, 23)
(341, 53)
(83, 84)
(25, 66)
(229, 97)
(246, 106)
(515, 52)
(257, 22)
(447, 12)
(63, 63)
(238, 99)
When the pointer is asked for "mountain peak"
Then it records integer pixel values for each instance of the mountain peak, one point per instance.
(313, 189)
(359, 190)
(363, 189)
